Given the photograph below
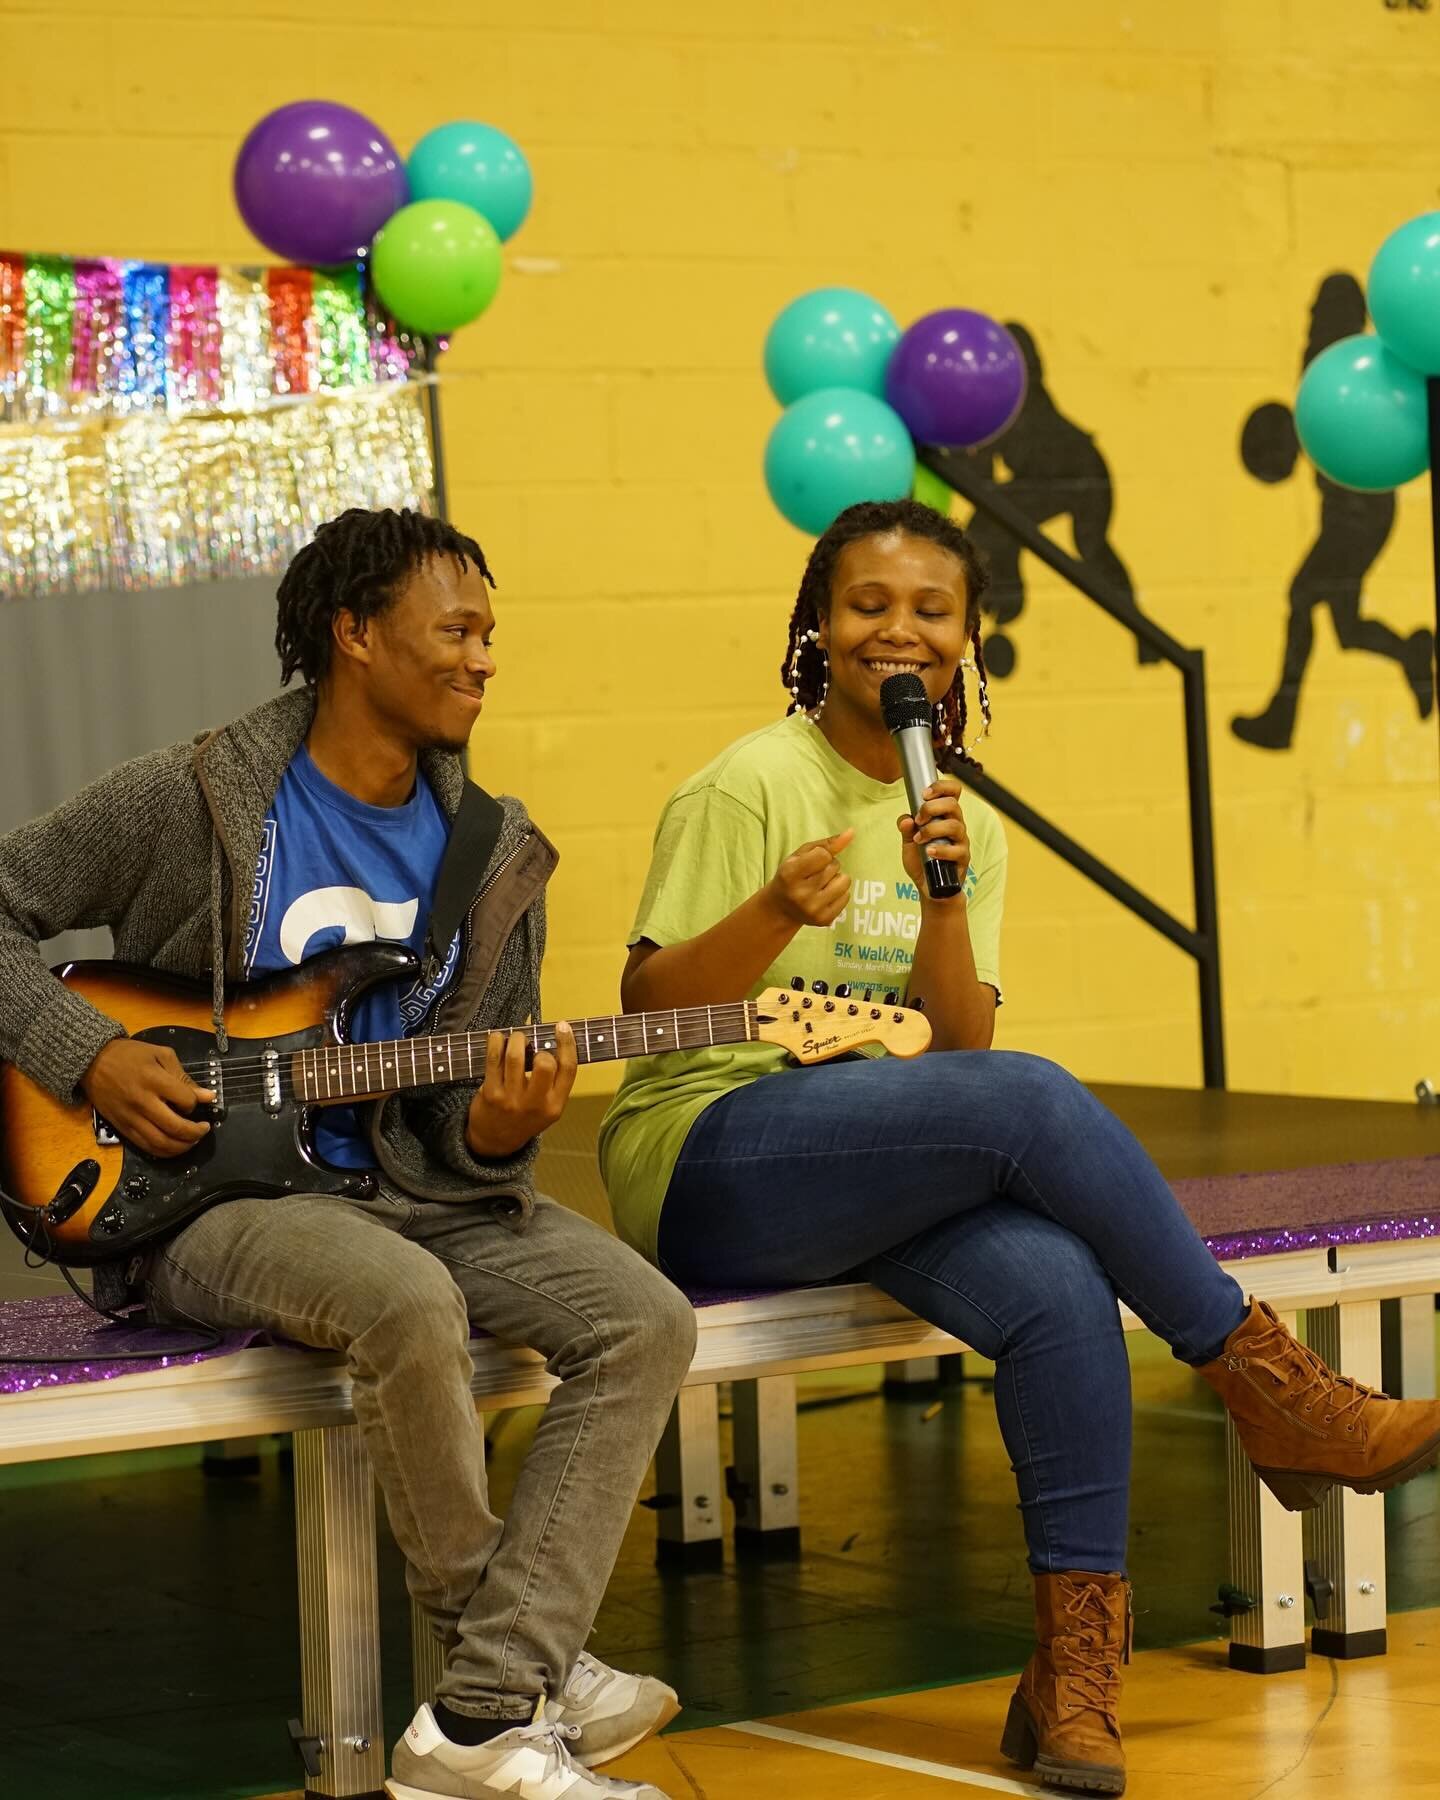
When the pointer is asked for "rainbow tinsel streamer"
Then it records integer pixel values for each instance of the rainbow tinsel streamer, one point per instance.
(103, 336)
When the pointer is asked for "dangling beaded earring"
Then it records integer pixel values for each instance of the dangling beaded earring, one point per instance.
(977, 663)
(793, 673)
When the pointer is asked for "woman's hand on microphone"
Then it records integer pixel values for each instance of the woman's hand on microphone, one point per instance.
(939, 826)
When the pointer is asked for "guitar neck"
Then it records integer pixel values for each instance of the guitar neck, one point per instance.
(366, 1071)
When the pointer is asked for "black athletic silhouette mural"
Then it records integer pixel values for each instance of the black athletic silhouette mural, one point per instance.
(1353, 531)
(1055, 468)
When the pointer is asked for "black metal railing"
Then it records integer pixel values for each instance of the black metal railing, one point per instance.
(1202, 941)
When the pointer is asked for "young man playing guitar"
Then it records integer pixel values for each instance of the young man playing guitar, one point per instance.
(333, 815)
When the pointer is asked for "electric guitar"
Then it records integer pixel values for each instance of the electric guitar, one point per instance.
(79, 1194)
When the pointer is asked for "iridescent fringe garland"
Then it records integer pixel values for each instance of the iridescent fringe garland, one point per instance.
(86, 337)
(158, 501)
(169, 423)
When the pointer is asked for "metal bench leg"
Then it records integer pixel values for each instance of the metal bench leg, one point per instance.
(1345, 1535)
(912, 1378)
(1407, 1335)
(687, 1481)
(1266, 1562)
(427, 1653)
(766, 1484)
(339, 1612)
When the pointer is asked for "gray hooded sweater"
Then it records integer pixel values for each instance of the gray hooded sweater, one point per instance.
(163, 850)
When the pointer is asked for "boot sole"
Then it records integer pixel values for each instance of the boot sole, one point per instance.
(669, 1711)
(1297, 1492)
(1020, 1745)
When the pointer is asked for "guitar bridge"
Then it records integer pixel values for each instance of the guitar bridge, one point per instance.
(105, 1133)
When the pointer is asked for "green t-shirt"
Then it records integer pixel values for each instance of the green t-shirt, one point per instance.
(721, 837)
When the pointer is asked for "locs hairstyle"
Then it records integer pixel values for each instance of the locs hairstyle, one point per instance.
(873, 518)
(356, 563)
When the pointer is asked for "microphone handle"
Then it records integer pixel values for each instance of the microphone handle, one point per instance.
(917, 761)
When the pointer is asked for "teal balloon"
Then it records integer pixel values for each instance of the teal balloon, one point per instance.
(832, 449)
(833, 337)
(1361, 415)
(1404, 292)
(478, 166)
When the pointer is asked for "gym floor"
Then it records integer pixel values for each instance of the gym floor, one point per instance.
(149, 1649)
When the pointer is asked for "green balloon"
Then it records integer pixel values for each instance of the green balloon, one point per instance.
(436, 265)
(931, 491)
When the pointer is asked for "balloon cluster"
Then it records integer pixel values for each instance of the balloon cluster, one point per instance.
(320, 183)
(859, 395)
(1361, 412)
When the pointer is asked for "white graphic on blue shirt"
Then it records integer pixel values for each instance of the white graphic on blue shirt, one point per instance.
(360, 916)
(333, 870)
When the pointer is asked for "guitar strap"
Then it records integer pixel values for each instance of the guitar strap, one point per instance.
(473, 837)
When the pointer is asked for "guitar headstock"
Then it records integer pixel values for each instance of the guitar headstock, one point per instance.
(819, 1025)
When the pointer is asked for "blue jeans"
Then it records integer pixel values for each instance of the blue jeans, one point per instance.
(993, 1195)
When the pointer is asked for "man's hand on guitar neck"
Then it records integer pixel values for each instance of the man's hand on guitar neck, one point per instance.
(514, 1105)
(144, 1093)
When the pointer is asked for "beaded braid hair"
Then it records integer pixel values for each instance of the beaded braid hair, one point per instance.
(356, 563)
(803, 670)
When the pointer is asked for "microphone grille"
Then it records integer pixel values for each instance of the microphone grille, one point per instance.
(903, 701)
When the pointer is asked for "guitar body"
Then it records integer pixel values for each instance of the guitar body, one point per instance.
(115, 1198)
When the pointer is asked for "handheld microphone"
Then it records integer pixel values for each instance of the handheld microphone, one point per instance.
(906, 709)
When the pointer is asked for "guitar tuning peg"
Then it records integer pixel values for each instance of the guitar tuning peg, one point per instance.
(797, 983)
(820, 987)
(917, 1004)
(892, 998)
(843, 991)
(867, 995)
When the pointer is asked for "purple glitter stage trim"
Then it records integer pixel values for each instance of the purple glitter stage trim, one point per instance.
(1359, 1231)
(57, 1325)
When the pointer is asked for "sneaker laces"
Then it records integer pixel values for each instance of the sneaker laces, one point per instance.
(550, 1734)
(1287, 1360)
(1092, 1676)
(585, 1677)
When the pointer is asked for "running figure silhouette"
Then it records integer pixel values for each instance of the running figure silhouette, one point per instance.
(1354, 529)
(1055, 468)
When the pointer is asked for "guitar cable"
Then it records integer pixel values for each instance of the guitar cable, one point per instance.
(29, 1224)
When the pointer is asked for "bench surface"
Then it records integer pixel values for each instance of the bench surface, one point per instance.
(1257, 1173)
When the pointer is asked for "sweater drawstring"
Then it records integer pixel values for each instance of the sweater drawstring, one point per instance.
(217, 944)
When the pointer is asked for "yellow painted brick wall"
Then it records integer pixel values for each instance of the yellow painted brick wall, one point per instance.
(1155, 189)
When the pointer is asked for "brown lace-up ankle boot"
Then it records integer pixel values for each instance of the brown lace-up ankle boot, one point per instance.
(1306, 1428)
(1063, 1721)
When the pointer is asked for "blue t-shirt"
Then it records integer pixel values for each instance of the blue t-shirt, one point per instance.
(334, 870)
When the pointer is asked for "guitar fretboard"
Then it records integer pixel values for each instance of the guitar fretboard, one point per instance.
(363, 1071)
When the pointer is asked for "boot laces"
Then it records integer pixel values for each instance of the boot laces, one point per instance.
(1092, 1670)
(1289, 1361)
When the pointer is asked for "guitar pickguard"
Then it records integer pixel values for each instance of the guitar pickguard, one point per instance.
(258, 1145)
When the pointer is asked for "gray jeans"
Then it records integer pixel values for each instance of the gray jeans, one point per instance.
(395, 1283)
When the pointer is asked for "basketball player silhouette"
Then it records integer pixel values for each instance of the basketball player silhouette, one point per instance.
(1354, 529)
(1056, 468)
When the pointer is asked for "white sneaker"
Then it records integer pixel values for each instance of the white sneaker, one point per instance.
(613, 1711)
(532, 1762)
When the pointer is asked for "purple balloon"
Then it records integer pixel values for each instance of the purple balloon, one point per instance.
(956, 378)
(315, 181)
